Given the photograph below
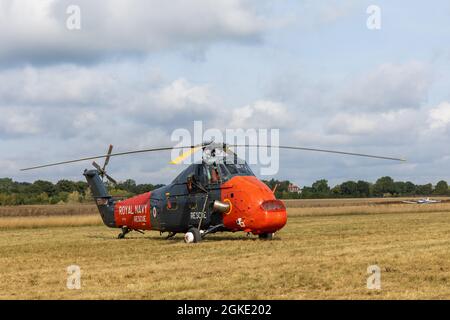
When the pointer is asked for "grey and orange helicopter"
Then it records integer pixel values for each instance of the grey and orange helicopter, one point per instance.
(220, 193)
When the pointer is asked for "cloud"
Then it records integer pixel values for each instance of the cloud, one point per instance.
(331, 11)
(68, 111)
(181, 96)
(19, 122)
(66, 94)
(36, 32)
(439, 117)
(352, 124)
(260, 114)
(394, 123)
(60, 85)
(64, 99)
(388, 87)
(385, 87)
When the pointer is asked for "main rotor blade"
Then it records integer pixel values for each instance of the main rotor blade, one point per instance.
(184, 155)
(320, 150)
(203, 145)
(108, 157)
(104, 156)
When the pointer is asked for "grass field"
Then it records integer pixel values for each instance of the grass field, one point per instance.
(323, 252)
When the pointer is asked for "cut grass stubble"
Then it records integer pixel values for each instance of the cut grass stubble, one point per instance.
(322, 253)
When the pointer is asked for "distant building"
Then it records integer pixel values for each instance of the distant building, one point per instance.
(292, 188)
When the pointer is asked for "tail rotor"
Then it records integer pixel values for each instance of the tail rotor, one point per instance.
(102, 170)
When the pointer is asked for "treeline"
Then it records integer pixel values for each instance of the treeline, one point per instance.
(383, 187)
(64, 191)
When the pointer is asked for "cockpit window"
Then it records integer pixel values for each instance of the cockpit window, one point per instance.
(232, 168)
(213, 174)
(244, 169)
(240, 169)
(224, 174)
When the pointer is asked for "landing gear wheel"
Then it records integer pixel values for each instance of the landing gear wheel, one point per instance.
(266, 236)
(121, 235)
(192, 236)
(171, 235)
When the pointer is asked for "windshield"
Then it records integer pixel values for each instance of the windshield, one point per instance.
(214, 173)
(240, 169)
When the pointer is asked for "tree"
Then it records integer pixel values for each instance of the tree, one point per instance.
(441, 188)
(383, 186)
(349, 188)
(81, 187)
(363, 188)
(308, 193)
(128, 185)
(45, 186)
(66, 186)
(6, 185)
(410, 188)
(336, 191)
(425, 190)
(399, 187)
(321, 188)
(74, 197)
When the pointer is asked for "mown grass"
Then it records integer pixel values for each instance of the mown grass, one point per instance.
(321, 253)
(48, 210)
(49, 221)
(341, 202)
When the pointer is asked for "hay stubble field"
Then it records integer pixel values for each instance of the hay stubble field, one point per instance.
(322, 253)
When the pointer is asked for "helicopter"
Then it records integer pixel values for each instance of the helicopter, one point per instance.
(218, 194)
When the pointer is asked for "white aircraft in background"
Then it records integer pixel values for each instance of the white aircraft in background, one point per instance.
(423, 201)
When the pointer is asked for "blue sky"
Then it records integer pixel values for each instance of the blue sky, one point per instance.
(134, 72)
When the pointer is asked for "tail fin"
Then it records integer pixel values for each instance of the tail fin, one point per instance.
(104, 201)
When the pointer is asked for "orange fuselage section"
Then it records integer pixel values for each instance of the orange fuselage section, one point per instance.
(254, 207)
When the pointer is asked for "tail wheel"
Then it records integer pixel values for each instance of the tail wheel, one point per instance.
(266, 236)
(192, 236)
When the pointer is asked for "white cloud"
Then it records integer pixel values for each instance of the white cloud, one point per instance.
(439, 117)
(66, 98)
(388, 87)
(352, 124)
(17, 122)
(260, 114)
(85, 119)
(35, 31)
(180, 95)
(57, 85)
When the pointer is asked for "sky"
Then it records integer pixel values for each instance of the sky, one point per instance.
(135, 71)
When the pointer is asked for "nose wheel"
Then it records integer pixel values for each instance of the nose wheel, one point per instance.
(266, 236)
(192, 236)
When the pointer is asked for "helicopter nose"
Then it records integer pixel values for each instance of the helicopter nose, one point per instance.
(275, 216)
